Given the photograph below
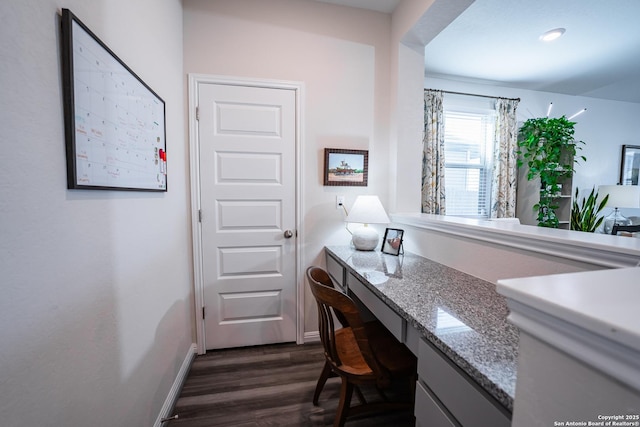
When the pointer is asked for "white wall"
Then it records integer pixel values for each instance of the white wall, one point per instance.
(604, 127)
(414, 24)
(95, 302)
(487, 261)
(341, 55)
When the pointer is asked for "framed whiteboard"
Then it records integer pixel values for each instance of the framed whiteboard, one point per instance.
(114, 123)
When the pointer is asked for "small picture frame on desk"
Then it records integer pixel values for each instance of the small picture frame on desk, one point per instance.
(392, 242)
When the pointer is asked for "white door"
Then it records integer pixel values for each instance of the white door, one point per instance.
(247, 189)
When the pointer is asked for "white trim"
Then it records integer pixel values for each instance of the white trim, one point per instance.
(174, 393)
(620, 362)
(194, 80)
(597, 249)
(300, 208)
(311, 337)
(196, 228)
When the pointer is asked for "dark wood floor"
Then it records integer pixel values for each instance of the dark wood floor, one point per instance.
(266, 386)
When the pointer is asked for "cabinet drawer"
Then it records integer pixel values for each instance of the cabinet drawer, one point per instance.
(336, 271)
(428, 413)
(469, 404)
(412, 339)
(389, 318)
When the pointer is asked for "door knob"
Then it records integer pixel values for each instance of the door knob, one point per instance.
(288, 234)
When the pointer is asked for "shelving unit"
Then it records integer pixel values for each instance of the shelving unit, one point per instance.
(564, 203)
(529, 194)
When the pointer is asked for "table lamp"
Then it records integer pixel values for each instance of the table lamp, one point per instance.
(620, 196)
(366, 210)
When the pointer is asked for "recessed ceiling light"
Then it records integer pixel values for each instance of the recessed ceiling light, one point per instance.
(552, 34)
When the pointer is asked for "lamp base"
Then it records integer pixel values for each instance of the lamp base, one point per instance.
(615, 218)
(365, 238)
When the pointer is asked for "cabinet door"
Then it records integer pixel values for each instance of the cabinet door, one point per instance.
(428, 413)
(461, 395)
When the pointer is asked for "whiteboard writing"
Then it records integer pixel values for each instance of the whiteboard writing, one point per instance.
(119, 123)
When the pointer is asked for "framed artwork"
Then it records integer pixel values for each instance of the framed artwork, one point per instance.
(114, 123)
(630, 164)
(346, 167)
(392, 242)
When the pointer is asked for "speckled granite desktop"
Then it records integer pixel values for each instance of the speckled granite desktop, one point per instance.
(461, 315)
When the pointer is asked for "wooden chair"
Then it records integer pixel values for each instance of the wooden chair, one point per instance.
(322, 277)
(360, 353)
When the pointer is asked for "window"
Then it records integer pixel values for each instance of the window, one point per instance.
(469, 136)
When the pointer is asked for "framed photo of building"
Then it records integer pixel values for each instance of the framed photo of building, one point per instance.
(346, 167)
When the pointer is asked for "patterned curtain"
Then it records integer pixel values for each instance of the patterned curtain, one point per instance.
(505, 171)
(433, 196)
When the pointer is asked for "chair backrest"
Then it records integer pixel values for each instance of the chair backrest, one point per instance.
(328, 300)
(322, 277)
(628, 228)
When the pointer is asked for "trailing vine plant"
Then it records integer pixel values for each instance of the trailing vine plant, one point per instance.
(548, 148)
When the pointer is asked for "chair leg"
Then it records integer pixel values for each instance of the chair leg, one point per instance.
(324, 375)
(346, 391)
(361, 398)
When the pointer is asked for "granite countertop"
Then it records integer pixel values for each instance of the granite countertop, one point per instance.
(461, 315)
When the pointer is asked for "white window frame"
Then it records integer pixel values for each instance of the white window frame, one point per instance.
(477, 106)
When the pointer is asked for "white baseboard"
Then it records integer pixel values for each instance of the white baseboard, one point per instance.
(174, 393)
(312, 336)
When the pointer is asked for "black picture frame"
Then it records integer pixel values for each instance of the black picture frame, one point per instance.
(344, 167)
(115, 130)
(392, 241)
(630, 164)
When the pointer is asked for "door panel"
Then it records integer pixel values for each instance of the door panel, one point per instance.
(256, 168)
(250, 306)
(249, 214)
(247, 188)
(250, 261)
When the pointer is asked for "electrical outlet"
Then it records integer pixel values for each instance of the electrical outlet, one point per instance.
(339, 202)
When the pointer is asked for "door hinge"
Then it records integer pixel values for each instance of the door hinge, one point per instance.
(202, 313)
(197, 113)
(199, 215)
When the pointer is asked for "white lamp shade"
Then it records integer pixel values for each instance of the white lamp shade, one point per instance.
(368, 210)
(620, 196)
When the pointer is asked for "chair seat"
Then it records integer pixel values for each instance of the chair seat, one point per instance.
(391, 354)
(350, 355)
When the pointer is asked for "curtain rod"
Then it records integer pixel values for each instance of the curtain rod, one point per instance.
(475, 94)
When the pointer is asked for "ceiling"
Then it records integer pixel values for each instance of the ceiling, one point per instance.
(497, 42)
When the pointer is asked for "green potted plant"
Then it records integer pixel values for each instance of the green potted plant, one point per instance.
(548, 148)
(584, 215)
